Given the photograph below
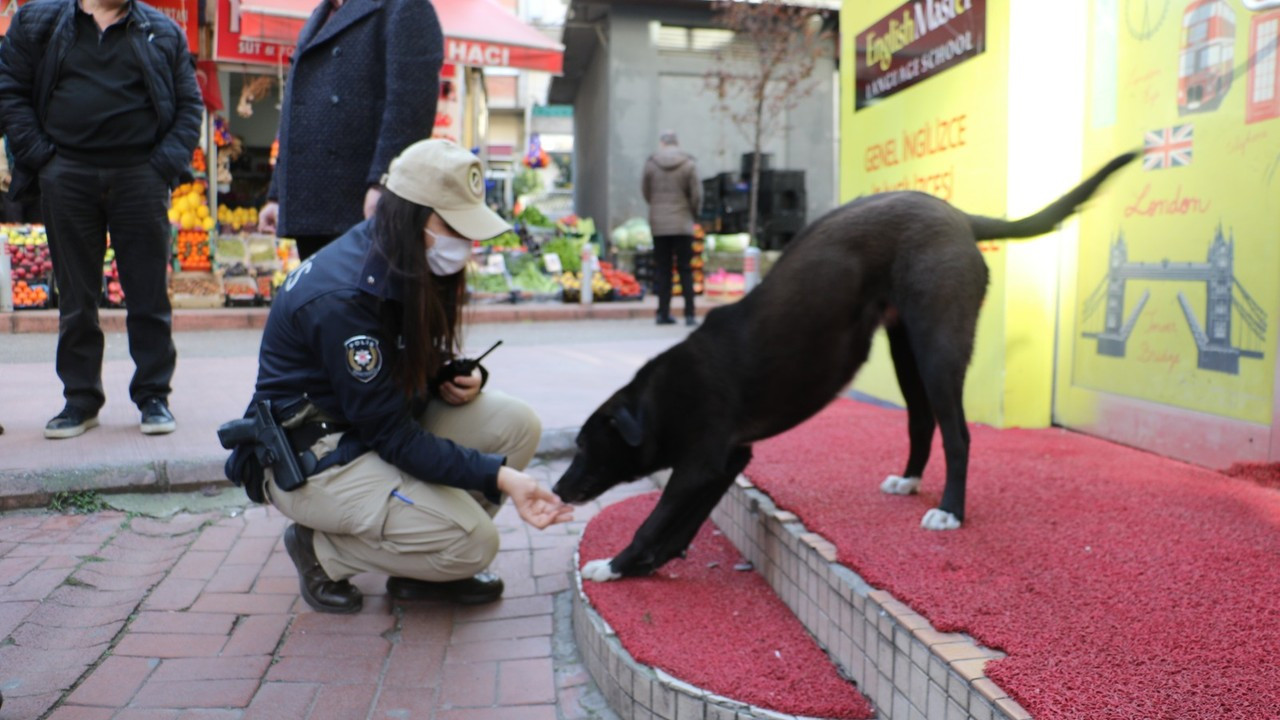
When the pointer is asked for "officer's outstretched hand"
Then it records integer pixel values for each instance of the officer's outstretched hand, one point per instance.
(536, 505)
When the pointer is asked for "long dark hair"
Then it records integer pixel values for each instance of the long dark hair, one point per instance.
(430, 321)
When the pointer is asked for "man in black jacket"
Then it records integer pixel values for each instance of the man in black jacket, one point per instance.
(363, 87)
(100, 103)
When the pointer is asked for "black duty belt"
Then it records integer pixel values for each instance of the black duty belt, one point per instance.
(306, 434)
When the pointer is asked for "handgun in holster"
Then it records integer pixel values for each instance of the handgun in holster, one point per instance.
(269, 443)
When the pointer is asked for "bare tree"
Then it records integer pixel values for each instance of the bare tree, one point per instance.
(766, 71)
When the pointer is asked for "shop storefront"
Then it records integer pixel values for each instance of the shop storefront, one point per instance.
(1151, 318)
(478, 34)
(242, 49)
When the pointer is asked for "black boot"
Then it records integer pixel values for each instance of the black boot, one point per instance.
(320, 592)
(484, 587)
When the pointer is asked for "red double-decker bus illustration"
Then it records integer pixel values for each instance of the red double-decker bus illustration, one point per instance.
(1262, 101)
(1208, 54)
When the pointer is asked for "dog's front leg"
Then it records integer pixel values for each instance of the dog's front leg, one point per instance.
(690, 496)
(671, 526)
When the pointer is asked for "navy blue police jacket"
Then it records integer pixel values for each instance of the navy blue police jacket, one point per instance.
(326, 339)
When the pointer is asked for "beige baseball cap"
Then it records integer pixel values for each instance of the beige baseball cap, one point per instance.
(445, 177)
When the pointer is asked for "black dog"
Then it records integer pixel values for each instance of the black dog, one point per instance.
(905, 260)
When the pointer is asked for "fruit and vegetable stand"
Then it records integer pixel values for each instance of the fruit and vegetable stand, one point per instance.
(219, 260)
(216, 260)
(542, 261)
(30, 267)
(717, 263)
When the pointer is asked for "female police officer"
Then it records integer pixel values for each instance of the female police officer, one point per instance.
(352, 349)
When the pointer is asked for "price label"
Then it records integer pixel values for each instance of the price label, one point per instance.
(551, 262)
(495, 264)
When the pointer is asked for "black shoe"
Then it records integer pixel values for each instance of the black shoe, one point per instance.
(156, 418)
(666, 320)
(320, 592)
(483, 588)
(691, 321)
(72, 421)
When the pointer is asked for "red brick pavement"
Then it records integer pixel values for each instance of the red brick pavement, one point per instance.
(197, 617)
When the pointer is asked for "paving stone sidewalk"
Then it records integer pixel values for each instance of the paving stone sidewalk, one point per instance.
(197, 617)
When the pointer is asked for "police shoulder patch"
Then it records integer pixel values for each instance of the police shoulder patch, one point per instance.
(364, 357)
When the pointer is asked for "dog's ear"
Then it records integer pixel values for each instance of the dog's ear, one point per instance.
(629, 426)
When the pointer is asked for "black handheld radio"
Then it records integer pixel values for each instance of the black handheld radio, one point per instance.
(459, 367)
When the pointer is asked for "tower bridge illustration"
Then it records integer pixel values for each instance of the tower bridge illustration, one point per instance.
(1226, 302)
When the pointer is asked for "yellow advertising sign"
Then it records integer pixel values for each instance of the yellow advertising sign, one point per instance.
(1177, 275)
(926, 108)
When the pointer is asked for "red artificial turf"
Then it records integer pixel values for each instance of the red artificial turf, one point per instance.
(1121, 584)
(712, 626)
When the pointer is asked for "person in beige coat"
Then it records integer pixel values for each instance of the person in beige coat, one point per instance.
(674, 193)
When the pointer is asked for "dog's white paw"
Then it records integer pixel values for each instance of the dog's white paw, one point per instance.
(895, 485)
(937, 519)
(599, 570)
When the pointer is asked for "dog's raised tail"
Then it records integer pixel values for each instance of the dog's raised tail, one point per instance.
(987, 228)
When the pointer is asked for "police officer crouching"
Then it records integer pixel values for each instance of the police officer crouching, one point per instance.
(388, 462)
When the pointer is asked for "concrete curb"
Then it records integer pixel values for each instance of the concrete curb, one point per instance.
(31, 489)
(25, 489)
(557, 443)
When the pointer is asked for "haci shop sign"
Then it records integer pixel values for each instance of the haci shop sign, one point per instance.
(918, 40)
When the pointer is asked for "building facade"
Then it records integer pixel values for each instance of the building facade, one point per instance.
(1151, 318)
(634, 69)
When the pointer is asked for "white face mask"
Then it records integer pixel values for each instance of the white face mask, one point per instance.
(447, 254)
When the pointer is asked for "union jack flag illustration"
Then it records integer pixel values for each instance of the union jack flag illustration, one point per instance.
(1167, 148)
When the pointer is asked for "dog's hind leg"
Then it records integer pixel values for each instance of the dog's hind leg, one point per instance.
(941, 343)
(920, 420)
(943, 377)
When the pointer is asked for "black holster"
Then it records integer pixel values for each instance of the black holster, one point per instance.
(257, 435)
(243, 470)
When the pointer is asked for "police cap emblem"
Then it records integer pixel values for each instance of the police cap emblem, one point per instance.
(364, 357)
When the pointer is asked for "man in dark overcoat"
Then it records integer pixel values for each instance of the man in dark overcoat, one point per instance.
(363, 86)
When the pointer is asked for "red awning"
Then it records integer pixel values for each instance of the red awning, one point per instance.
(483, 33)
(273, 20)
(476, 32)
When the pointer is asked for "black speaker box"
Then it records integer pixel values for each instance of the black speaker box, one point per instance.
(766, 164)
(788, 222)
(735, 200)
(711, 200)
(782, 191)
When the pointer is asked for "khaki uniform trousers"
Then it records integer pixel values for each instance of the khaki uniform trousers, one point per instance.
(446, 533)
